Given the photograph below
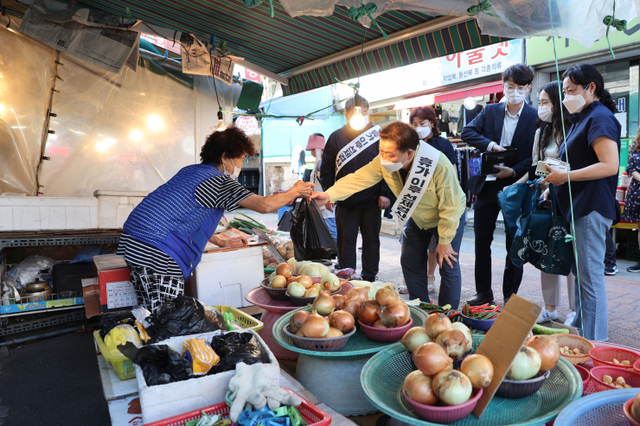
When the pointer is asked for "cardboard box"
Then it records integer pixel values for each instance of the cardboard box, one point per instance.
(116, 290)
(504, 340)
(164, 401)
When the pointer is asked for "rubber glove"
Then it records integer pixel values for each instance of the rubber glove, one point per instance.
(251, 385)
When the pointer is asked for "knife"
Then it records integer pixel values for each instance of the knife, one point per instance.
(274, 251)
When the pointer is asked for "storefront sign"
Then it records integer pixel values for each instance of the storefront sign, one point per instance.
(253, 76)
(249, 125)
(481, 62)
(540, 49)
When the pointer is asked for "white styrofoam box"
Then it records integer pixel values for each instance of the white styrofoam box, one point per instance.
(114, 207)
(164, 401)
(47, 213)
(224, 277)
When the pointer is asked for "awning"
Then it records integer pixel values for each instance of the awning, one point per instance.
(470, 92)
(283, 45)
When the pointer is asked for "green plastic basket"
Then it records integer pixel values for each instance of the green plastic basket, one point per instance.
(358, 346)
(383, 375)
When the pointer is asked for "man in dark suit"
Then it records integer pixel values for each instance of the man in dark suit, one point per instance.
(510, 125)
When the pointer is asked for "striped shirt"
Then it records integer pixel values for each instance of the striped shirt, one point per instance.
(217, 192)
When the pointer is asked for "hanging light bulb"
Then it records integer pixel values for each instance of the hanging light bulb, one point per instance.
(220, 127)
(357, 121)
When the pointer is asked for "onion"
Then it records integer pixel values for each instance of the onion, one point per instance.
(395, 315)
(324, 303)
(315, 326)
(312, 292)
(525, 365)
(379, 324)
(342, 320)
(478, 369)
(306, 281)
(299, 333)
(430, 358)
(635, 408)
(548, 349)
(467, 333)
(436, 324)
(292, 279)
(351, 306)
(330, 282)
(414, 337)
(339, 299)
(285, 270)
(297, 319)
(454, 343)
(334, 332)
(417, 386)
(296, 290)
(358, 294)
(387, 296)
(278, 282)
(452, 387)
(369, 312)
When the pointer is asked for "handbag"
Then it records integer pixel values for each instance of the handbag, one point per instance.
(517, 200)
(541, 240)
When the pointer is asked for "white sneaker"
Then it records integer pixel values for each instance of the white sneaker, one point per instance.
(431, 283)
(547, 316)
(570, 318)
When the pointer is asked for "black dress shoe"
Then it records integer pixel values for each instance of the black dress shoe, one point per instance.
(506, 299)
(481, 299)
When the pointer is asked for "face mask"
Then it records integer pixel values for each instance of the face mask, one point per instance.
(423, 132)
(236, 171)
(515, 96)
(390, 166)
(545, 113)
(575, 103)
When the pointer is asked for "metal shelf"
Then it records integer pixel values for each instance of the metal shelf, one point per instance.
(36, 239)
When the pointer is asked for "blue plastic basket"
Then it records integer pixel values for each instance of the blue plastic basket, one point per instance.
(601, 409)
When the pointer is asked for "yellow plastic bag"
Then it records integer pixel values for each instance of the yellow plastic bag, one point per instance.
(201, 356)
(119, 335)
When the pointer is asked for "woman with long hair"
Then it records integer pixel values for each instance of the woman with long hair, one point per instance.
(632, 201)
(592, 150)
(546, 144)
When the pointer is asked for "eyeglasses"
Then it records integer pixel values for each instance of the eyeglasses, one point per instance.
(512, 87)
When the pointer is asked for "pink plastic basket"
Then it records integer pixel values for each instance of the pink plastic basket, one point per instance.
(385, 335)
(311, 414)
(597, 373)
(604, 357)
(636, 366)
(445, 414)
(627, 413)
(586, 377)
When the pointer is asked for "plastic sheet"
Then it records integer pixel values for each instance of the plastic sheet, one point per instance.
(579, 20)
(185, 315)
(26, 75)
(310, 235)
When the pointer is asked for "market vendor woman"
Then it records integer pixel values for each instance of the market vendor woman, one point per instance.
(430, 202)
(165, 235)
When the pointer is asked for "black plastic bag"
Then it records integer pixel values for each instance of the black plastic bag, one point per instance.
(237, 347)
(110, 321)
(182, 316)
(310, 235)
(161, 365)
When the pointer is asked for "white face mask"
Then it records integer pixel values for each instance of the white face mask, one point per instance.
(514, 96)
(423, 132)
(390, 166)
(545, 113)
(236, 171)
(575, 103)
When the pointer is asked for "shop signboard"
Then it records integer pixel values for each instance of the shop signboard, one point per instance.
(481, 62)
(540, 49)
(249, 125)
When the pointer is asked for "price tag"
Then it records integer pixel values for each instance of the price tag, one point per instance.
(120, 294)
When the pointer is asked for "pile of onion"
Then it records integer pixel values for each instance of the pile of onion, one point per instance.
(369, 312)
(479, 369)
(548, 349)
(452, 387)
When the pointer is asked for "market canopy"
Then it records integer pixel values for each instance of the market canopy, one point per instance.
(311, 43)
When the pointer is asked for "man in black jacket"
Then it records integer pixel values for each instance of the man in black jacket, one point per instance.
(510, 125)
(348, 150)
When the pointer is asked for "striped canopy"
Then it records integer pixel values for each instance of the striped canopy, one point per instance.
(283, 43)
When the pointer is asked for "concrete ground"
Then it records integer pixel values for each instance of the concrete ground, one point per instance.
(56, 381)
